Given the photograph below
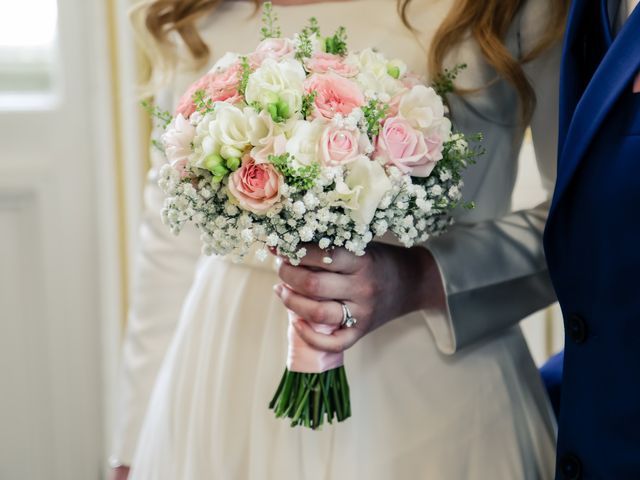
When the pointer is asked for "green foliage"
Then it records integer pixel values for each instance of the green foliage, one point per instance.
(244, 76)
(270, 27)
(457, 159)
(279, 111)
(337, 44)
(163, 117)
(203, 104)
(302, 178)
(257, 106)
(313, 26)
(307, 104)
(443, 83)
(305, 46)
(157, 144)
(374, 112)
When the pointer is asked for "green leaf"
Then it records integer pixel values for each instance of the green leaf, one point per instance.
(443, 83)
(203, 104)
(303, 178)
(162, 116)
(307, 104)
(305, 46)
(244, 75)
(337, 44)
(270, 27)
(374, 112)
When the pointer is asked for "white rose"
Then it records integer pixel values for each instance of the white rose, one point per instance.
(423, 108)
(275, 81)
(177, 140)
(304, 144)
(343, 196)
(203, 143)
(373, 75)
(230, 126)
(370, 183)
(261, 126)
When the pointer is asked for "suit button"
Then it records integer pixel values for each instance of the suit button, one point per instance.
(570, 467)
(577, 329)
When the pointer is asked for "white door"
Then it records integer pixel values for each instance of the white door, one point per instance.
(54, 123)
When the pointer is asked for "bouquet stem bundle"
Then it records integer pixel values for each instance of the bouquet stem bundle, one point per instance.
(308, 398)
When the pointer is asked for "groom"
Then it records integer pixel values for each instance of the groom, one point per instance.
(592, 242)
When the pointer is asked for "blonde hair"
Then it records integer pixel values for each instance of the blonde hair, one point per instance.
(157, 23)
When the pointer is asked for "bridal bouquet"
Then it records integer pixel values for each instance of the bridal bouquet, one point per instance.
(303, 141)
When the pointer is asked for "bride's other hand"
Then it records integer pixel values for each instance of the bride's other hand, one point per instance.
(119, 473)
(386, 283)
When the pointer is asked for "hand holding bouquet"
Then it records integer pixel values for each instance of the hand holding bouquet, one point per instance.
(302, 141)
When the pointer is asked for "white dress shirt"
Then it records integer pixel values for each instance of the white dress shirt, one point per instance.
(626, 7)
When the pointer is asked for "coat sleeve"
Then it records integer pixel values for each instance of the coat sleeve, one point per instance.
(494, 273)
(164, 267)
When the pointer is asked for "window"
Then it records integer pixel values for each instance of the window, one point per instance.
(27, 51)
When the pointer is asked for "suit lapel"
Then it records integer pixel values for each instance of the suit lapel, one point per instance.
(570, 78)
(615, 72)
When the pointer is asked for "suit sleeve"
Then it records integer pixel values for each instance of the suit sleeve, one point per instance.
(494, 273)
(164, 268)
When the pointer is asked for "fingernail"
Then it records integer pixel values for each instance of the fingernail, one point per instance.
(278, 289)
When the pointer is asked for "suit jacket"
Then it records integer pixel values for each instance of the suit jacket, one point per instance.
(592, 244)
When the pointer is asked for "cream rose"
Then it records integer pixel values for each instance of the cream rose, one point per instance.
(367, 184)
(374, 75)
(339, 145)
(277, 81)
(305, 141)
(422, 107)
(230, 127)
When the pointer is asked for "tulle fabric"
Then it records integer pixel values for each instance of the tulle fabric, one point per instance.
(416, 413)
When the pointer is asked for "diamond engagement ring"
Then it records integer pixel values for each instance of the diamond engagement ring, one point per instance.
(348, 320)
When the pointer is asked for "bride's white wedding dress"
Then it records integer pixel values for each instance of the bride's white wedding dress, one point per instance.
(418, 412)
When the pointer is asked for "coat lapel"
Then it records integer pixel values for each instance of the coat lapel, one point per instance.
(615, 72)
(570, 78)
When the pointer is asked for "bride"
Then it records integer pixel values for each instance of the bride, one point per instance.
(443, 385)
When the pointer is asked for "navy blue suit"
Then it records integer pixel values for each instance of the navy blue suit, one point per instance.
(592, 243)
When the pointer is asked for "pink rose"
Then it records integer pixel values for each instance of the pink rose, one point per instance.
(339, 146)
(275, 48)
(334, 94)
(434, 143)
(400, 145)
(217, 86)
(394, 103)
(256, 186)
(327, 62)
(177, 143)
(410, 80)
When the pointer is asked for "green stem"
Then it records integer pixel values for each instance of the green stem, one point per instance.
(308, 399)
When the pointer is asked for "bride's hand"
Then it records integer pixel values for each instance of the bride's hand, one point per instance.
(119, 473)
(384, 284)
